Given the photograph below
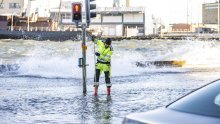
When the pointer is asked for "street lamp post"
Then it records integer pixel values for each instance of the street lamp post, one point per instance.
(187, 18)
(12, 21)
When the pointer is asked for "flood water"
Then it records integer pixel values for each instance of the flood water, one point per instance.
(45, 86)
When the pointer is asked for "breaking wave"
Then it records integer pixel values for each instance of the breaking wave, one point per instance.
(60, 59)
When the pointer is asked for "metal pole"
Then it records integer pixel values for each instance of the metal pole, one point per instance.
(218, 16)
(84, 56)
(12, 21)
(59, 15)
(28, 27)
(160, 29)
(187, 18)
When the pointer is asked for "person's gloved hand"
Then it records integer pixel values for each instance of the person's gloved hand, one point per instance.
(97, 53)
(93, 38)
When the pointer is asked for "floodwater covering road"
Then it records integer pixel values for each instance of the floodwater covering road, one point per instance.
(44, 83)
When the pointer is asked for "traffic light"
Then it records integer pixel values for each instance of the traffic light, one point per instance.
(90, 14)
(76, 12)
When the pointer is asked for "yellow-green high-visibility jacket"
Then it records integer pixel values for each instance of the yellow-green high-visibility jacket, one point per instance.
(105, 53)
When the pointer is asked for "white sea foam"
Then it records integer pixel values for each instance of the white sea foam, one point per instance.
(60, 59)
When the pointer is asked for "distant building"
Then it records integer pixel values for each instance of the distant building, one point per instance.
(120, 21)
(24, 15)
(203, 30)
(24, 8)
(210, 13)
(11, 7)
(180, 28)
(190, 28)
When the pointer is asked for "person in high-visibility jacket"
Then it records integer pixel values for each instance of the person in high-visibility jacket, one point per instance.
(103, 63)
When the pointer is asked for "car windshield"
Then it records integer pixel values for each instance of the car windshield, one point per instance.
(205, 101)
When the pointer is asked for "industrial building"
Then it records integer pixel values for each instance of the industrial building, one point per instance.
(210, 17)
(24, 14)
(120, 21)
(210, 13)
(11, 7)
(25, 7)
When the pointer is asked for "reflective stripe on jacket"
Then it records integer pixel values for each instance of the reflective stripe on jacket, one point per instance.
(105, 53)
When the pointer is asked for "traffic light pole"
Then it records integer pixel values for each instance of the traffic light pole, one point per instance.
(84, 57)
(84, 20)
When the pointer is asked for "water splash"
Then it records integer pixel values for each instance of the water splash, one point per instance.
(60, 59)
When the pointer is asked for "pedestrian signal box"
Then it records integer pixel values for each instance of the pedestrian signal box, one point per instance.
(76, 12)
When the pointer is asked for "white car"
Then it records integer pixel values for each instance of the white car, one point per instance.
(201, 106)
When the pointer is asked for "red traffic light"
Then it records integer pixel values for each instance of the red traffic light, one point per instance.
(77, 8)
(76, 12)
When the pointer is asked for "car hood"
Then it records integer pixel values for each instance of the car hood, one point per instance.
(169, 116)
